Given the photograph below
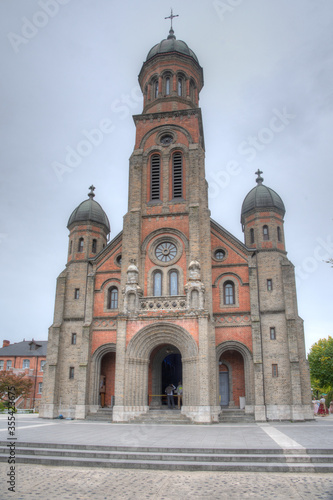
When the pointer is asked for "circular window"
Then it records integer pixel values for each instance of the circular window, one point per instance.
(118, 260)
(219, 254)
(166, 139)
(166, 251)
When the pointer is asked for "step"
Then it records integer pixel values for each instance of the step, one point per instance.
(176, 465)
(268, 460)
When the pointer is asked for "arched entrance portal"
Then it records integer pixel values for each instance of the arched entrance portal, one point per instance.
(165, 367)
(235, 374)
(103, 364)
(231, 378)
(107, 377)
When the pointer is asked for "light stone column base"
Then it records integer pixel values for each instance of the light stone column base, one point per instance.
(80, 412)
(289, 412)
(249, 409)
(126, 413)
(202, 414)
(47, 410)
(260, 413)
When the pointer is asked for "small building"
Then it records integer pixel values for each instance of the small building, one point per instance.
(27, 357)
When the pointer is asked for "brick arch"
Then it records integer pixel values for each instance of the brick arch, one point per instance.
(164, 128)
(248, 365)
(137, 360)
(162, 231)
(96, 360)
(149, 337)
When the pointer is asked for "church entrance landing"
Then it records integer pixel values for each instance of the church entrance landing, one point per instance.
(165, 367)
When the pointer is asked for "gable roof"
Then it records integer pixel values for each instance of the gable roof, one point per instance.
(26, 348)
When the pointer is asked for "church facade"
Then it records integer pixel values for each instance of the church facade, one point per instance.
(175, 297)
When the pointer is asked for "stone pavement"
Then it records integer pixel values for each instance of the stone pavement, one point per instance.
(35, 481)
(74, 483)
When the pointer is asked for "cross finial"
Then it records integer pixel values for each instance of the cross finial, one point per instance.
(172, 16)
(259, 179)
(92, 189)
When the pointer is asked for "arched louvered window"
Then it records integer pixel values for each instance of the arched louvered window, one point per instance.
(251, 235)
(113, 298)
(157, 284)
(173, 283)
(155, 177)
(177, 175)
(94, 246)
(265, 233)
(80, 247)
(229, 293)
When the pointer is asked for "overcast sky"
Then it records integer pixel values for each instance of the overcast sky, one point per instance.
(69, 65)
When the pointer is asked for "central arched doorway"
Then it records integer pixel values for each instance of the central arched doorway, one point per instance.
(165, 367)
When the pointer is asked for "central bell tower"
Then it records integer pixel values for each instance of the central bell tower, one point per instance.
(167, 174)
(166, 248)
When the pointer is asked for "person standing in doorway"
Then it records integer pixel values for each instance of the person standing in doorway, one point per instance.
(169, 392)
(179, 391)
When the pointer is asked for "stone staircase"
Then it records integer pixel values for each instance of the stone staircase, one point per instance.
(186, 459)
(235, 416)
(102, 415)
(162, 417)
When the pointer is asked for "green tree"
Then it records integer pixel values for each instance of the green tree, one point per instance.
(21, 384)
(321, 362)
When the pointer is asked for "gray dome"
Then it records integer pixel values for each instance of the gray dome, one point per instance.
(170, 44)
(261, 197)
(90, 210)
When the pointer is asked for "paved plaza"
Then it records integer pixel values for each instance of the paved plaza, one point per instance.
(36, 481)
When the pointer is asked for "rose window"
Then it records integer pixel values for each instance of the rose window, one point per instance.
(166, 251)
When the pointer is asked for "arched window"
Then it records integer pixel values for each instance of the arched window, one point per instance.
(279, 236)
(173, 283)
(229, 293)
(71, 246)
(157, 284)
(167, 85)
(180, 84)
(251, 235)
(113, 298)
(265, 233)
(80, 247)
(155, 177)
(94, 246)
(177, 175)
(155, 88)
(192, 90)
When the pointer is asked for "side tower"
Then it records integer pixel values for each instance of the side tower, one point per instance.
(166, 306)
(67, 368)
(282, 384)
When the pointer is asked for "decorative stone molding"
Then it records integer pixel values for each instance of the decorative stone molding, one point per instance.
(104, 324)
(233, 320)
(166, 303)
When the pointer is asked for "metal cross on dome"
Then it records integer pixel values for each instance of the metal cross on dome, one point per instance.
(172, 17)
(92, 189)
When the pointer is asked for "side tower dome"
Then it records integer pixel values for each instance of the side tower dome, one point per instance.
(89, 228)
(262, 217)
